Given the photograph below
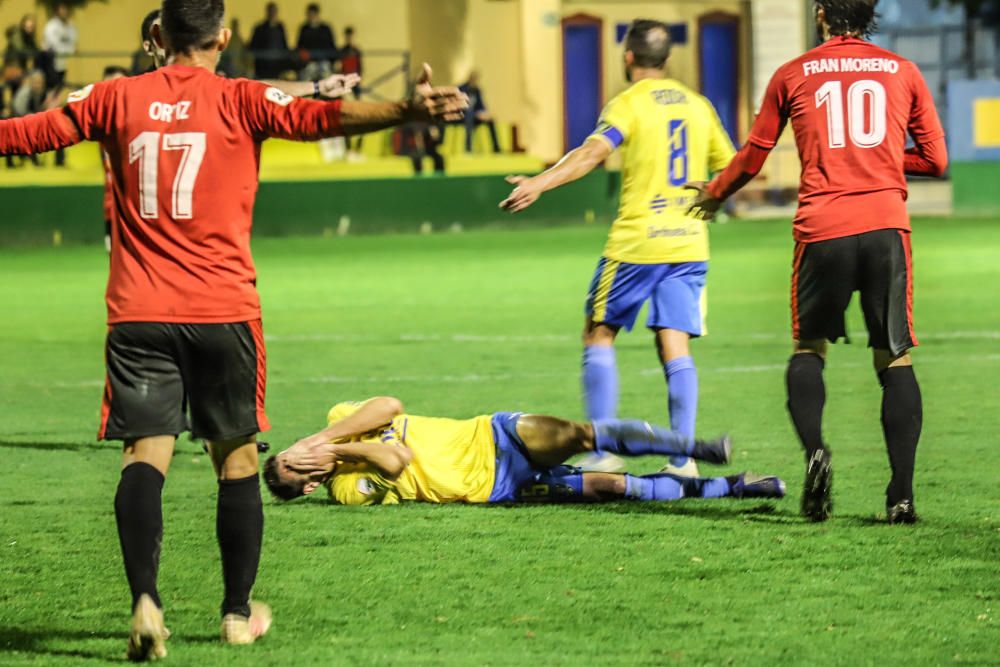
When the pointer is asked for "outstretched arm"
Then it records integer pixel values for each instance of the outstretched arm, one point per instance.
(37, 133)
(373, 413)
(574, 165)
(332, 87)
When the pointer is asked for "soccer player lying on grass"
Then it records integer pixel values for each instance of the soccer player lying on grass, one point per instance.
(373, 453)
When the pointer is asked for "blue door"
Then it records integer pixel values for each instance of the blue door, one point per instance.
(719, 60)
(582, 69)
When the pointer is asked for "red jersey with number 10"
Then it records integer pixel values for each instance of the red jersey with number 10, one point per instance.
(851, 104)
(184, 149)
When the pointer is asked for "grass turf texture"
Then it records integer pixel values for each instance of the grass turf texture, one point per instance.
(460, 325)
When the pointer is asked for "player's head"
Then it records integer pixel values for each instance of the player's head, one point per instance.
(190, 26)
(286, 483)
(112, 72)
(647, 46)
(152, 44)
(854, 18)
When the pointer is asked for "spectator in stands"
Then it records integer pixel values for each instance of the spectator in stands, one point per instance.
(30, 98)
(269, 45)
(423, 139)
(22, 44)
(350, 62)
(59, 41)
(477, 114)
(317, 46)
(236, 61)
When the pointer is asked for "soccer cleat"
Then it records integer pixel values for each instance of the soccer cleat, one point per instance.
(601, 463)
(238, 629)
(718, 451)
(816, 501)
(148, 636)
(752, 485)
(689, 469)
(901, 512)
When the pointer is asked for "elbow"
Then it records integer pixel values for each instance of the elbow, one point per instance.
(403, 458)
(392, 405)
(939, 167)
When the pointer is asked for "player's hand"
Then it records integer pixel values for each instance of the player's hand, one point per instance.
(338, 85)
(705, 205)
(309, 455)
(525, 193)
(429, 103)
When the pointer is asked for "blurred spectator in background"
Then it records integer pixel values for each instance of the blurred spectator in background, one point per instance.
(19, 57)
(269, 45)
(30, 98)
(59, 41)
(236, 61)
(477, 114)
(317, 46)
(423, 139)
(351, 63)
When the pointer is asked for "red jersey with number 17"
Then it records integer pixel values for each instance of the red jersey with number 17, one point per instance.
(851, 104)
(184, 150)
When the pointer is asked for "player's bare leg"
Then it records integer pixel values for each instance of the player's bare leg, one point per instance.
(806, 399)
(569, 485)
(139, 515)
(902, 421)
(674, 350)
(600, 386)
(240, 530)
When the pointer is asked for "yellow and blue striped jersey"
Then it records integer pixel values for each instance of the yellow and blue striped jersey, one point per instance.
(453, 461)
(669, 135)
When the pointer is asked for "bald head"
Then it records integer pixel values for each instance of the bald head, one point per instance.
(649, 42)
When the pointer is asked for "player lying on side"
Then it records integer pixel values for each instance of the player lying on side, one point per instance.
(373, 453)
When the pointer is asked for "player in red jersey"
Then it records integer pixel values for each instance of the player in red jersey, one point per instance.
(183, 309)
(851, 105)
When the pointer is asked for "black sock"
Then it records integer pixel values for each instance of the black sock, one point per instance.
(140, 527)
(806, 397)
(239, 525)
(902, 419)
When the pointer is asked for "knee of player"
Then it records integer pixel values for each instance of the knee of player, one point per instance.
(817, 347)
(603, 485)
(884, 359)
(585, 434)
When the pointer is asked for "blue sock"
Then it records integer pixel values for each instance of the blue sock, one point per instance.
(663, 486)
(631, 437)
(600, 382)
(682, 390)
(653, 487)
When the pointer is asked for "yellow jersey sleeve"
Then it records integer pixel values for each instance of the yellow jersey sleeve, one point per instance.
(353, 484)
(616, 123)
(343, 411)
(720, 147)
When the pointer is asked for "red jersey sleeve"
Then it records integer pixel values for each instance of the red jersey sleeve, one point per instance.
(773, 114)
(269, 112)
(37, 133)
(924, 125)
(91, 109)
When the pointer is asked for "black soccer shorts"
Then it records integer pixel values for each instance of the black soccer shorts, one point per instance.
(877, 264)
(158, 372)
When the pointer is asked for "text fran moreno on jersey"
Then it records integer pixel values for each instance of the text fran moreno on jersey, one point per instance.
(826, 65)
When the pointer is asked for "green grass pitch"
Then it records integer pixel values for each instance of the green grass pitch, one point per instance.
(465, 324)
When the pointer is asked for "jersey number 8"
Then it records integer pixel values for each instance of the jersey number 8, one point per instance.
(677, 140)
(145, 149)
(864, 99)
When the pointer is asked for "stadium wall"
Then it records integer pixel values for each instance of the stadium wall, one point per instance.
(72, 214)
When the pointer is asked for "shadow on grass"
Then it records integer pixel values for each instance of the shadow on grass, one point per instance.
(34, 640)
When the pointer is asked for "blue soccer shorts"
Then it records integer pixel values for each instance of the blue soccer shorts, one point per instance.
(676, 295)
(516, 479)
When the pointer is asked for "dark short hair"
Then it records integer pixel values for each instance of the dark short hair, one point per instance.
(192, 25)
(649, 42)
(114, 69)
(147, 25)
(349, 30)
(850, 17)
(313, 7)
(280, 488)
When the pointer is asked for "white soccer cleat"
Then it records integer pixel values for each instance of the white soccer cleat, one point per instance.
(238, 629)
(689, 469)
(148, 635)
(601, 463)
